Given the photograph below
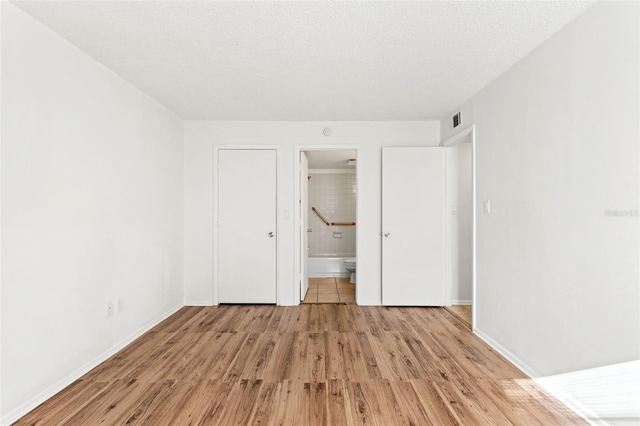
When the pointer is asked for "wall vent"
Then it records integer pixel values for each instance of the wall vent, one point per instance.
(456, 119)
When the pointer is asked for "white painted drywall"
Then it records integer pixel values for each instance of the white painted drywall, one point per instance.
(200, 136)
(459, 222)
(1, 217)
(557, 147)
(92, 186)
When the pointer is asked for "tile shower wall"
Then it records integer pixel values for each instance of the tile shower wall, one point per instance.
(334, 195)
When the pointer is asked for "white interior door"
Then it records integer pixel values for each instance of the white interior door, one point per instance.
(413, 226)
(246, 226)
(304, 224)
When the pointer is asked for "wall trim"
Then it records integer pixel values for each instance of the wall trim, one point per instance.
(28, 406)
(199, 303)
(462, 302)
(371, 302)
(459, 137)
(513, 359)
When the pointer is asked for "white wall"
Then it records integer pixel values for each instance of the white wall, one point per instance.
(92, 184)
(556, 147)
(1, 91)
(200, 136)
(459, 214)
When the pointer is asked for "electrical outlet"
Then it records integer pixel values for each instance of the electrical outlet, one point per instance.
(109, 308)
(120, 305)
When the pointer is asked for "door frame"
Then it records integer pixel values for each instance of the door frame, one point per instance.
(216, 203)
(296, 202)
(304, 223)
(468, 133)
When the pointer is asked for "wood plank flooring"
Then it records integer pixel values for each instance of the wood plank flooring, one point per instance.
(330, 290)
(463, 312)
(315, 364)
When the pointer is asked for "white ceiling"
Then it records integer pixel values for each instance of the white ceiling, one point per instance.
(308, 60)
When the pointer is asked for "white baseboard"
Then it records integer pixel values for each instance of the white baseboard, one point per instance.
(25, 408)
(462, 302)
(199, 303)
(369, 302)
(513, 359)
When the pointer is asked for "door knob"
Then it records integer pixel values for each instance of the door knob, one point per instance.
(386, 234)
(309, 230)
(271, 234)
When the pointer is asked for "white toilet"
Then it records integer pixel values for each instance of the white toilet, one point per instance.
(350, 266)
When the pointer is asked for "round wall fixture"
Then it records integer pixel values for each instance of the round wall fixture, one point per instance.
(327, 131)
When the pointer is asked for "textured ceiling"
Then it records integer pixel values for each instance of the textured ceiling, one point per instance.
(311, 60)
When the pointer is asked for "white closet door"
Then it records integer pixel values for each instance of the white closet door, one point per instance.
(413, 227)
(247, 226)
(304, 224)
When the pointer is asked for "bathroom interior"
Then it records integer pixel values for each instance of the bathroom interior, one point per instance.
(330, 249)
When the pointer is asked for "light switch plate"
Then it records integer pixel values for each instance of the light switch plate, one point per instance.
(487, 206)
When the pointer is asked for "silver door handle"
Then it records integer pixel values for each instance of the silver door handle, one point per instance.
(386, 234)
(271, 234)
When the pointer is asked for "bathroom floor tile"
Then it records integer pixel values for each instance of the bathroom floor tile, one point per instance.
(328, 298)
(310, 297)
(330, 290)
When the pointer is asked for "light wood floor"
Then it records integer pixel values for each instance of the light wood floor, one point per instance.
(463, 312)
(330, 290)
(331, 364)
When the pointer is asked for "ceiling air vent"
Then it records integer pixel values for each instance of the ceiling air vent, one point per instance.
(456, 119)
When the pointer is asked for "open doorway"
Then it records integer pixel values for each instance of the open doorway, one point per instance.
(460, 224)
(328, 225)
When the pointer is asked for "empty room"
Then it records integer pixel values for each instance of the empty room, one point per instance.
(319, 212)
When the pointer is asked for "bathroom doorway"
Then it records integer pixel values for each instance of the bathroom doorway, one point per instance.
(327, 194)
(460, 226)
